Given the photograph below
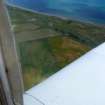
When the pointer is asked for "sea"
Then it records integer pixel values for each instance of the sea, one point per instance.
(92, 11)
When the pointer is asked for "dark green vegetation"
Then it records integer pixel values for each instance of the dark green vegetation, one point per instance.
(44, 57)
(48, 43)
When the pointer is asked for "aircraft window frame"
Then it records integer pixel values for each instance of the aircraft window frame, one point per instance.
(12, 68)
(5, 95)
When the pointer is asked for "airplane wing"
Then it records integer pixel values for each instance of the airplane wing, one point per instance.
(80, 83)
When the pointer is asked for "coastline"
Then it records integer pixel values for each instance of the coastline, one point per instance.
(58, 16)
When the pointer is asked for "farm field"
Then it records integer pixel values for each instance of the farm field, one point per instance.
(46, 44)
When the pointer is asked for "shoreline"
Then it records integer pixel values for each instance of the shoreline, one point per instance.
(57, 16)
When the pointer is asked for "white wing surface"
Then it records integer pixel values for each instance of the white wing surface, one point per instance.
(80, 83)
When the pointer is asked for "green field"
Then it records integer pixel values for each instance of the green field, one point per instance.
(42, 58)
(47, 43)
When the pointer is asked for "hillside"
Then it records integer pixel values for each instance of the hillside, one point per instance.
(47, 43)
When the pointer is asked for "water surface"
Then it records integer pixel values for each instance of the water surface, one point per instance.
(84, 10)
